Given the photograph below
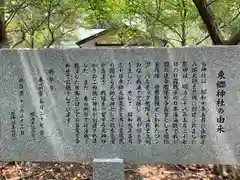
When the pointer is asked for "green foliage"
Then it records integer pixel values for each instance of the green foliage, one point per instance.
(42, 23)
(176, 21)
(228, 14)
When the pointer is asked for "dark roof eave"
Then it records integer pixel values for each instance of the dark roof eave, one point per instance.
(119, 44)
(92, 37)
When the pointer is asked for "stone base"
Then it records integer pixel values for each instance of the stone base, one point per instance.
(108, 169)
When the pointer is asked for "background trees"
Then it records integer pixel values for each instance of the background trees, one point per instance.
(180, 22)
(42, 23)
(38, 24)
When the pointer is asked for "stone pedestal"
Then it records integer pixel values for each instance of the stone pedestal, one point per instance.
(108, 169)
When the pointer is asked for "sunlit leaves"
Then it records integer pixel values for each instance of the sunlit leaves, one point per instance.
(174, 20)
(177, 21)
(44, 23)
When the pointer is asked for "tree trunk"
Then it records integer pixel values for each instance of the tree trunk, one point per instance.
(3, 41)
(212, 25)
(209, 20)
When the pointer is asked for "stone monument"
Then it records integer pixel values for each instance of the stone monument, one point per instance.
(112, 105)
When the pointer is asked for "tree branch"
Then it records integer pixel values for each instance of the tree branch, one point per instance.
(169, 27)
(40, 24)
(51, 31)
(234, 39)
(32, 43)
(61, 23)
(28, 43)
(223, 26)
(183, 23)
(170, 44)
(173, 39)
(14, 12)
(48, 24)
(63, 34)
(44, 19)
(210, 3)
(210, 22)
(23, 38)
(202, 40)
(234, 18)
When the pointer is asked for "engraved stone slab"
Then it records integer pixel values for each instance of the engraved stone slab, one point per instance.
(142, 105)
(108, 169)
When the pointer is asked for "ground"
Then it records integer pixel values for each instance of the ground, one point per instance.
(76, 171)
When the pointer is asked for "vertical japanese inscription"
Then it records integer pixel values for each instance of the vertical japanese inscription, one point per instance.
(185, 109)
(194, 102)
(13, 124)
(198, 102)
(41, 112)
(147, 108)
(94, 102)
(77, 102)
(121, 102)
(130, 113)
(112, 73)
(103, 104)
(157, 102)
(51, 76)
(221, 92)
(21, 108)
(139, 102)
(86, 104)
(33, 125)
(68, 92)
(175, 123)
(203, 100)
(166, 102)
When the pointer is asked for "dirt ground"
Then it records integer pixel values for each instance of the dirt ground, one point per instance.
(76, 171)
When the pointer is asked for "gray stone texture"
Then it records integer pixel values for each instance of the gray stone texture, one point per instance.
(58, 143)
(108, 169)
